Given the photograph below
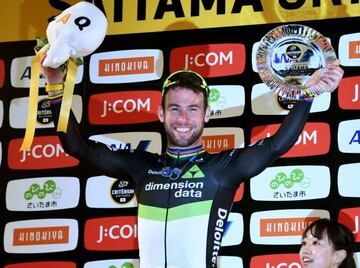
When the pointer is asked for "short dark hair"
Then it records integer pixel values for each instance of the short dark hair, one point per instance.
(188, 79)
(340, 236)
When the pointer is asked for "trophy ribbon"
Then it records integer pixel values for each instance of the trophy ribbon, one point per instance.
(34, 94)
(67, 97)
(33, 100)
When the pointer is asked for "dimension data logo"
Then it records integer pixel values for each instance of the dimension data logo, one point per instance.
(291, 183)
(282, 227)
(349, 93)
(126, 66)
(266, 102)
(351, 218)
(110, 192)
(219, 139)
(226, 101)
(46, 152)
(115, 263)
(349, 49)
(210, 60)
(349, 136)
(314, 139)
(41, 236)
(131, 141)
(127, 107)
(42, 194)
(112, 233)
(348, 180)
(291, 260)
(19, 110)
(21, 69)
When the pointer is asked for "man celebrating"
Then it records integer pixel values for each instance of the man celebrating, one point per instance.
(184, 195)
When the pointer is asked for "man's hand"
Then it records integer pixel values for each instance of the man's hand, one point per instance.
(326, 79)
(52, 76)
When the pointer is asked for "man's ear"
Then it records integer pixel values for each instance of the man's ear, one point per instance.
(207, 114)
(160, 113)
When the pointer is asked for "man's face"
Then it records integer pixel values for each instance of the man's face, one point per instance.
(319, 253)
(184, 117)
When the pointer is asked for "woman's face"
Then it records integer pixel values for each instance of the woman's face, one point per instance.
(319, 253)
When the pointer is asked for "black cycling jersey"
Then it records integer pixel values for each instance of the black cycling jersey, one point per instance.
(184, 196)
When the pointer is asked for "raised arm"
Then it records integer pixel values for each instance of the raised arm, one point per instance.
(111, 163)
(254, 159)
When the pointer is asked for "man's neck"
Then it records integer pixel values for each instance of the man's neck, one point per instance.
(185, 151)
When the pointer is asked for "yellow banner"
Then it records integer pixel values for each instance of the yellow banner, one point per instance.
(20, 21)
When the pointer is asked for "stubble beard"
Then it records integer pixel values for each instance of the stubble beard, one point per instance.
(173, 141)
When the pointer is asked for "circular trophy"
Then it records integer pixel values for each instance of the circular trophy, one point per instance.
(289, 55)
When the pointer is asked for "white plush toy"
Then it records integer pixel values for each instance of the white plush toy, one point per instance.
(76, 32)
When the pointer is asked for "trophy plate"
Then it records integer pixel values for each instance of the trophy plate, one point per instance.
(287, 57)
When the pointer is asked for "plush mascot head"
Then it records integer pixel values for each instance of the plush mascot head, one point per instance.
(76, 32)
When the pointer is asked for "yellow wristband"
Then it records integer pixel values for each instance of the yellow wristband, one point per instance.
(56, 87)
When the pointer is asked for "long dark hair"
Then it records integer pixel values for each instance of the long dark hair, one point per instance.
(340, 236)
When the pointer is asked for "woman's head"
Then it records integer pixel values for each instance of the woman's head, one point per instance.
(327, 243)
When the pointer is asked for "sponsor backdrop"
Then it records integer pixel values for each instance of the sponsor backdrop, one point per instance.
(58, 212)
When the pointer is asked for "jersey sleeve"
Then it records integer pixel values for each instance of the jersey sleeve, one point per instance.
(254, 159)
(112, 163)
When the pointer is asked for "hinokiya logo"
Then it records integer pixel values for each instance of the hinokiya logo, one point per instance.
(211, 60)
(229, 261)
(46, 152)
(20, 72)
(127, 107)
(43, 264)
(2, 73)
(348, 180)
(109, 192)
(19, 110)
(266, 102)
(349, 49)
(234, 230)
(42, 194)
(351, 218)
(222, 138)
(290, 260)
(282, 227)
(226, 101)
(126, 66)
(41, 236)
(349, 93)
(290, 183)
(349, 136)
(115, 263)
(314, 139)
(131, 141)
(112, 233)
